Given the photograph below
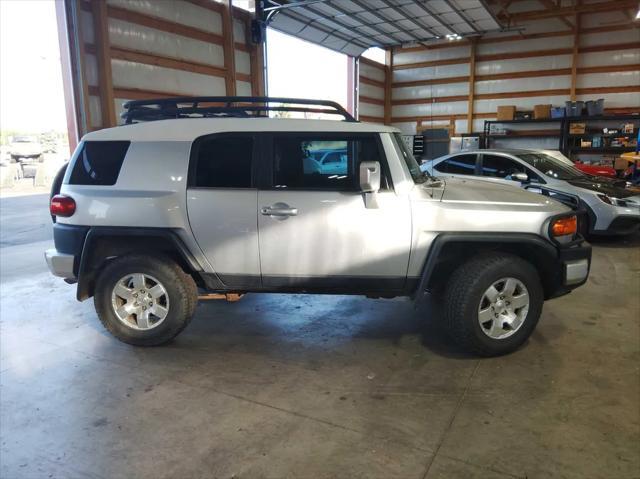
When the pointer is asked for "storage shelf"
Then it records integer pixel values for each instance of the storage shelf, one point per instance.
(513, 134)
(594, 124)
(614, 149)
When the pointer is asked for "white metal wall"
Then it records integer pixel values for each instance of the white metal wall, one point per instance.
(371, 90)
(161, 48)
(616, 50)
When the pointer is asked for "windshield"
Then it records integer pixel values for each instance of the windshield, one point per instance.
(551, 167)
(404, 153)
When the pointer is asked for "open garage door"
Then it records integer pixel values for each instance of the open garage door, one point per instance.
(119, 50)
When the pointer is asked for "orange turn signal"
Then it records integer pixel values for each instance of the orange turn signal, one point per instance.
(565, 226)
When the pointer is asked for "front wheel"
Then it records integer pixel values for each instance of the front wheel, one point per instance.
(144, 300)
(493, 303)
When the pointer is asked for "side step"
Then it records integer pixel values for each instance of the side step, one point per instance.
(231, 297)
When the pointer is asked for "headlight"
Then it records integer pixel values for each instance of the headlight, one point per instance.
(566, 226)
(614, 201)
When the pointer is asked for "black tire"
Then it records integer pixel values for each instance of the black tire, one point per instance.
(57, 184)
(180, 287)
(465, 291)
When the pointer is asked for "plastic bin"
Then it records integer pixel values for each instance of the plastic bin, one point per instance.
(574, 108)
(557, 112)
(595, 107)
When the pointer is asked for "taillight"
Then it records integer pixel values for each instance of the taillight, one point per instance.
(62, 206)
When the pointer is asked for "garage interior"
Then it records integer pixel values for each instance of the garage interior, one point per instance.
(340, 386)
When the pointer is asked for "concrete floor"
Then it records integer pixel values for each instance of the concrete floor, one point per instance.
(331, 386)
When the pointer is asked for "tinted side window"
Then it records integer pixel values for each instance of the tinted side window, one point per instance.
(223, 162)
(500, 167)
(321, 163)
(99, 163)
(460, 164)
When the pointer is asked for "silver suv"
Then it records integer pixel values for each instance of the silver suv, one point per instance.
(205, 195)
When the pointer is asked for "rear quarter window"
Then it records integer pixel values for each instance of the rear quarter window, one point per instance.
(98, 163)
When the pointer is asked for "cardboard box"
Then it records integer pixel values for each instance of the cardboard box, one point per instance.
(577, 128)
(506, 112)
(541, 111)
(621, 164)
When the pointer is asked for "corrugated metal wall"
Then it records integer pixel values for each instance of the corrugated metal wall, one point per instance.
(372, 77)
(431, 85)
(137, 49)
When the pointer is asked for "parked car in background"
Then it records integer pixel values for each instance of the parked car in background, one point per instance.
(25, 148)
(610, 208)
(594, 170)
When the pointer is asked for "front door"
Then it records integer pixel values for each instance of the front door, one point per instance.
(315, 231)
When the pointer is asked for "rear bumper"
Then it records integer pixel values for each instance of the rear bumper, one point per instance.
(64, 259)
(60, 264)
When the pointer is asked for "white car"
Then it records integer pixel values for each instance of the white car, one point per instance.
(610, 209)
(25, 148)
(216, 199)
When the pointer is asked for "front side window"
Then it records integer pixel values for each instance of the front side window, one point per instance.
(496, 166)
(458, 165)
(223, 162)
(321, 163)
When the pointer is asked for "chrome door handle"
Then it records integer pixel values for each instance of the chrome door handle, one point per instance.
(279, 211)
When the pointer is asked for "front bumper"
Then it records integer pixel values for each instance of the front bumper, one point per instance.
(621, 225)
(572, 268)
(60, 264)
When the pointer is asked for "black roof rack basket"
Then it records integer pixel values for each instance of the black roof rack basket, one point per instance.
(224, 106)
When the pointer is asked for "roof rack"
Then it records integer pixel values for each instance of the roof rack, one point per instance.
(224, 106)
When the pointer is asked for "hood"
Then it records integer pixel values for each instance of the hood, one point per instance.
(484, 194)
(598, 185)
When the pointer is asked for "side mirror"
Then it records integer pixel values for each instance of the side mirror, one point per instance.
(522, 177)
(369, 176)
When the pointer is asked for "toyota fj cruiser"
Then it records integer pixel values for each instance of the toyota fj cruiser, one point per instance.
(209, 194)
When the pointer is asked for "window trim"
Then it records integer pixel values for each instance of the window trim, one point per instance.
(194, 158)
(268, 157)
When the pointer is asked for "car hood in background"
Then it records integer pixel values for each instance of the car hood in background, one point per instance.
(608, 188)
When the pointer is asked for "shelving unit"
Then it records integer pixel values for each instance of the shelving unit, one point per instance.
(568, 143)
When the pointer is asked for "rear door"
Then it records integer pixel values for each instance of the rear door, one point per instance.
(222, 206)
(316, 233)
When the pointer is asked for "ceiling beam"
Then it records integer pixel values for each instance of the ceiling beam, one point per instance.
(611, 5)
(550, 5)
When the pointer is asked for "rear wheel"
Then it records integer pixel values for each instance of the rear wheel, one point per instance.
(143, 300)
(493, 303)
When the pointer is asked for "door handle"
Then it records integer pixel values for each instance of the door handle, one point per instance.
(277, 210)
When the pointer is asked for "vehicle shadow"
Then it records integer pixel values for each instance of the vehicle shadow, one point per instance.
(629, 241)
(321, 322)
